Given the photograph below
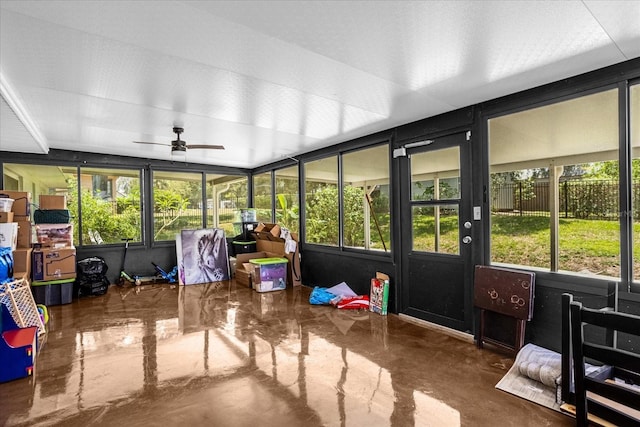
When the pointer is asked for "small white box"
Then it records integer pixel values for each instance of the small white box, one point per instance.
(9, 235)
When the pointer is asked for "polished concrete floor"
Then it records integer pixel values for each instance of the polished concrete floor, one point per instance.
(221, 355)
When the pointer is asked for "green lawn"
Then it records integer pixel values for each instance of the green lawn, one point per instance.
(585, 245)
(588, 246)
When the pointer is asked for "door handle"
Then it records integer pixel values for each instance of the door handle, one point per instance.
(466, 240)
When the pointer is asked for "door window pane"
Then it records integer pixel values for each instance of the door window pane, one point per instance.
(226, 194)
(321, 197)
(435, 176)
(262, 192)
(177, 203)
(554, 186)
(365, 195)
(436, 229)
(287, 204)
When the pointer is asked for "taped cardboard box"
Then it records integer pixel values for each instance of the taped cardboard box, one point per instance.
(53, 264)
(6, 217)
(24, 234)
(22, 262)
(21, 202)
(52, 202)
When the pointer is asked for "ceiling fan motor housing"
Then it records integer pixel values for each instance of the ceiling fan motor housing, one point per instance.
(178, 146)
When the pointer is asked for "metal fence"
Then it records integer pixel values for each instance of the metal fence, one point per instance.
(593, 199)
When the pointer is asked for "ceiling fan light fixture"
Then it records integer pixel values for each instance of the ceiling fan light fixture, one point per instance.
(179, 151)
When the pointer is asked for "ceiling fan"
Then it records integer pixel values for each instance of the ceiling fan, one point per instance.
(178, 146)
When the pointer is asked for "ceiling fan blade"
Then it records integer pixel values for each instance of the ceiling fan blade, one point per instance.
(152, 143)
(213, 147)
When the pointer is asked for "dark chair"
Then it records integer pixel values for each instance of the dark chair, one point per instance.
(619, 379)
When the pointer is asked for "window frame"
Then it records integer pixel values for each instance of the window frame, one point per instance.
(533, 99)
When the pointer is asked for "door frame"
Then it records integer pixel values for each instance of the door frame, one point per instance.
(404, 245)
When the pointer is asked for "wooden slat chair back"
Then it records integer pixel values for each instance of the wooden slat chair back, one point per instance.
(619, 382)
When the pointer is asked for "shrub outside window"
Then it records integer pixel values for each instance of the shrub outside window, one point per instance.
(177, 203)
(262, 192)
(365, 197)
(321, 201)
(287, 205)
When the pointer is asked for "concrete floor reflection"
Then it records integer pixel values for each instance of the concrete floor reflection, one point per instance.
(222, 355)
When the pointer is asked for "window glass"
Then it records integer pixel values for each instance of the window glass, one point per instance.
(365, 195)
(435, 177)
(554, 186)
(635, 172)
(225, 195)
(435, 229)
(110, 205)
(45, 180)
(321, 201)
(177, 203)
(287, 204)
(262, 196)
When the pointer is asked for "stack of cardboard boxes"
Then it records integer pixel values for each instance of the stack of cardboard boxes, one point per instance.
(269, 244)
(53, 262)
(15, 227)
(42, 252)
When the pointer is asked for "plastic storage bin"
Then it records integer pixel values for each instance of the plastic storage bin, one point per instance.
(55, 292)
(240, 247)
(269, 274)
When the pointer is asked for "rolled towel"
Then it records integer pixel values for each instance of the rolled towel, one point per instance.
(540, 364)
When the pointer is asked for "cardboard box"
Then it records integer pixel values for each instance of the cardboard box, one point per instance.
(21, 202)
(24, 234)
(9, 235)
(379, 295)
(6, 217)
(243, 278)
(52, 202)
(268, 240)
(22, 262)
(269, 274)
(53, 264)
(268, 232)
(54, 235)
(244, 268)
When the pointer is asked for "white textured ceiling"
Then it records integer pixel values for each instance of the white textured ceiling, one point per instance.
(271, 79)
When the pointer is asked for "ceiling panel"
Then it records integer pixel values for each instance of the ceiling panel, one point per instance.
(272, 79)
